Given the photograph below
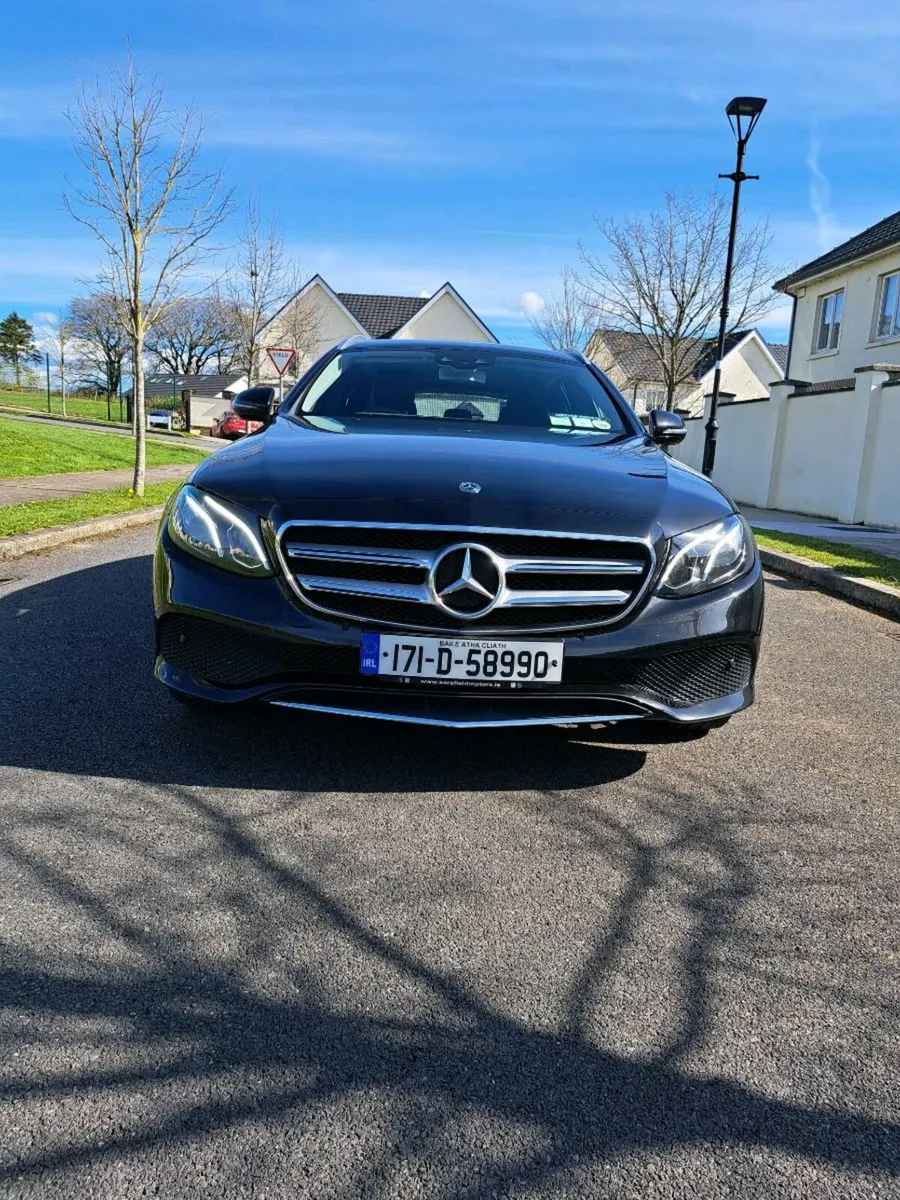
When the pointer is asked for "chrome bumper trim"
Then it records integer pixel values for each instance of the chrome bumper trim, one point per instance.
(482, 724)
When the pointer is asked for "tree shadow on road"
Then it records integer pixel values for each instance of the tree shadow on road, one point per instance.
(129, 1006)
(217, 1052)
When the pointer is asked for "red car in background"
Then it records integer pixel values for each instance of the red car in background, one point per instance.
(230, 425)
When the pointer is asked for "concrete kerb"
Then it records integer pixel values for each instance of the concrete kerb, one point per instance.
(875, 596)
(79, 531)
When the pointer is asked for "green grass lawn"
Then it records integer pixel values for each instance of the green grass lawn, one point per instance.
(76, 406)
(34, 449)
(846, 560)
(43, 514)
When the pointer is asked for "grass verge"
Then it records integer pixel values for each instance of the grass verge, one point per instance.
(44, 514)
(33, 449)
(76, 406)
(845, 560)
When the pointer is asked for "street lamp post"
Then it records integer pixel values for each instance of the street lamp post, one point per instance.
(743, 112)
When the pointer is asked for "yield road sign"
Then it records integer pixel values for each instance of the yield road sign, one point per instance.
(280, 357)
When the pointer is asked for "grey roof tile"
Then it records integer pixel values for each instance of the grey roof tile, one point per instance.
(634, 357)
(203, 386)
(381, 316)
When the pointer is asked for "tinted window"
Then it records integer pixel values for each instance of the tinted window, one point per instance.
(472, 387)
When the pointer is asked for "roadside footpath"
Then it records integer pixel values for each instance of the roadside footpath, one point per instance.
(24, 489)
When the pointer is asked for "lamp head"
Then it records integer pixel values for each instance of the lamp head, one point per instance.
(743, 112)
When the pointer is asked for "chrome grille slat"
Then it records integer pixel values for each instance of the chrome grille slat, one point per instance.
(516, 599)
(361, 554)
(572, 566)
(540, 589)
(416, 594)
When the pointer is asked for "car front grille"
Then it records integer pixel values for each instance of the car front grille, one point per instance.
(396, 576)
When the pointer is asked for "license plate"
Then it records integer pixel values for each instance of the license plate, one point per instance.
(476, 660)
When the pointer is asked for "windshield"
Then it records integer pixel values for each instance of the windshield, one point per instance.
(472, 387)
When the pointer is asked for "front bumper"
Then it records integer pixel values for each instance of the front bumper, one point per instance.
(224, 638)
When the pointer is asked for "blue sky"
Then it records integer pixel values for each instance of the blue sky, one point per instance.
(403, 143)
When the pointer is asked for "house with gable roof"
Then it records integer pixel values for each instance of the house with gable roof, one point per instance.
(749, 366)
(317, 317)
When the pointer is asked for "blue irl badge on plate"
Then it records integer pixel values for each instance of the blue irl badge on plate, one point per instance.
(369, 650)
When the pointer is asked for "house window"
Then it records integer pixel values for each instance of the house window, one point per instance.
(887, 320)
(648, 397)
(829, 314)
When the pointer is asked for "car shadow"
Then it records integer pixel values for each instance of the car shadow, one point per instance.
(78, 696)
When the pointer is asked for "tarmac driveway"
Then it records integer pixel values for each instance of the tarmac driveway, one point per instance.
(283, 956)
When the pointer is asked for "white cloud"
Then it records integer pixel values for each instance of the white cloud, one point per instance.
(531, 302)
(820, 197)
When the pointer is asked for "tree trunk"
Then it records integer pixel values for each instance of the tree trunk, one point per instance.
(62, 382)
(140, 417)
(18, 368)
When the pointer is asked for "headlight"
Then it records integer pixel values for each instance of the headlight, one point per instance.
(223, 534)
(707, 557)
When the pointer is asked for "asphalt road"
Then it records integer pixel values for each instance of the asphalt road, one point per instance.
(281, 956)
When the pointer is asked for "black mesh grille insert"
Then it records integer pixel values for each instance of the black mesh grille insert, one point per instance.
(231, 657)
(680, 678)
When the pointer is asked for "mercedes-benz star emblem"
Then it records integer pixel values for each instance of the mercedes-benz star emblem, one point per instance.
(470, 489)
(466, 580)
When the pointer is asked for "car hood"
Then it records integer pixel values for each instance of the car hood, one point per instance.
(387, 472)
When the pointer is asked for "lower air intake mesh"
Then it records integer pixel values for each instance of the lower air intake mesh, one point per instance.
(233, 657)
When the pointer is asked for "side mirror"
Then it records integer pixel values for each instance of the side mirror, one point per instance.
(666, 428)
(255, 404)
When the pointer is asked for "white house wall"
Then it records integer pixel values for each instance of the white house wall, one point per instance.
(744, 450)
(855, 348)
(747, 373)
(329, 320)
(831, 454)
(821, 451)
(204, 412)
(880, 500)
(445, 321)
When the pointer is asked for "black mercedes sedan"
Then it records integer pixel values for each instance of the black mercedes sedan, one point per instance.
(462, 535)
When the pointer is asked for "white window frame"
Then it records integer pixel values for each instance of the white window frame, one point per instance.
(833, 342)
(894, 333)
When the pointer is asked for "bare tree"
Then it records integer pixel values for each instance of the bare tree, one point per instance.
(566, 320)
(300, 328)
(100, 345)
(148, 202)
(57, 336)
(191, 334)
(661, 279)
(260, 282)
